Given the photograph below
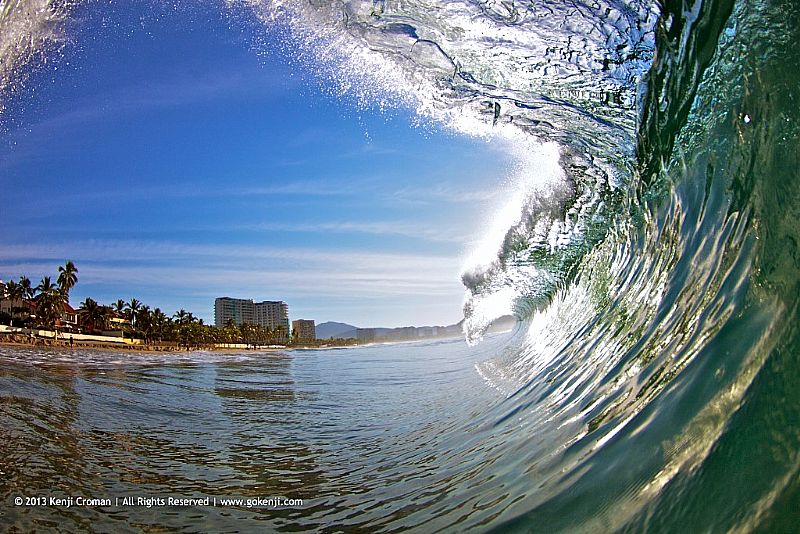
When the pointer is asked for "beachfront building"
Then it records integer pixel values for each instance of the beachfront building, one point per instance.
(117, 326)
(273, 314)
(6, 303)
(23, 311)
(269, 313)
(304, 330)
(68, 319)
(239, 311)
(16, 309)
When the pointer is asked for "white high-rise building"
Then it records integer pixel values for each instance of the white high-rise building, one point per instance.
(269, 313)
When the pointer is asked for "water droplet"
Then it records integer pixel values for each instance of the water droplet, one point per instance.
(746, 119)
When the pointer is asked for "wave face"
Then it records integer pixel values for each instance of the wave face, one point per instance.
(525, 74)
(650, 251)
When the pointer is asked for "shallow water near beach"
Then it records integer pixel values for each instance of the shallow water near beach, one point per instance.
(363, 436)
(649, 252)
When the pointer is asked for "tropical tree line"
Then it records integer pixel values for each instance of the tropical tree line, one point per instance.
(47, 302)
(154, 326)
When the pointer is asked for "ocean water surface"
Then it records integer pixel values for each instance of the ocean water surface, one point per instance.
(650, 254)
(309, 425)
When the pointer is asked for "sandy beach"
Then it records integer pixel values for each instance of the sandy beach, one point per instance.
(24, 340)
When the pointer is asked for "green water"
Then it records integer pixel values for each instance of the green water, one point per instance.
(652, 387)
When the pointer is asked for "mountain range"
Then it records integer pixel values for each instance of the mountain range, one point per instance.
(332, 329)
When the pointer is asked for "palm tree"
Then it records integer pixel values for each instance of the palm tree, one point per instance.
(132, 309)
(45, 286)
(144, 322)
(231, 331)
(119, 307)
(21, 290)
(280, 334)
(49, 302)
(171, 329)
(182, 316)
(27, 289)
(262, 334)
(67, 278)
(13, 292)
(93, 314)
(160, 320)
(197, 333)
(190, 329)
(248, 333)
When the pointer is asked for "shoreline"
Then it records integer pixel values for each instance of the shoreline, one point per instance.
(49, 340)
(20, 340)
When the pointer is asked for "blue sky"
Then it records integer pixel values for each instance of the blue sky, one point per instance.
(178, 156)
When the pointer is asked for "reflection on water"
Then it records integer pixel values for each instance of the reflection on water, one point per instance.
(314, 425)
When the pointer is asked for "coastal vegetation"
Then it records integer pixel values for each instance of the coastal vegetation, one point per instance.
(47, 306)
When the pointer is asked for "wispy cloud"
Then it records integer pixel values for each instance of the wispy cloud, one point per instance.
(448, 192)
(182, 90)
(417, 284)
(184, 188)
(370, 149)
(428, 232)
(289, 264)
(314, 187)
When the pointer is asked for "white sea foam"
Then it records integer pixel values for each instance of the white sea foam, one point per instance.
(29, 31)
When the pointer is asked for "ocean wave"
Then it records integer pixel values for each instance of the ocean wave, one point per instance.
(649, 246)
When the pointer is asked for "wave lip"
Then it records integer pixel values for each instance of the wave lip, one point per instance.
(521, 74)
(30, 31)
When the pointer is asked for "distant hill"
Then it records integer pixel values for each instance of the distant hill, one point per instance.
(335, 330)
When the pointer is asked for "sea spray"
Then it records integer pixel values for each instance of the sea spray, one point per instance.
(652, 382)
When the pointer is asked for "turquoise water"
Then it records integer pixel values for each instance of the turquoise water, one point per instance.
(652, 383)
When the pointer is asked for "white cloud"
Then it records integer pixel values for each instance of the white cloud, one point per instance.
(388, 228)
(243, 268)
(448, 192)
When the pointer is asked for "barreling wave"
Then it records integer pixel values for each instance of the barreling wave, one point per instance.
(638, 249)
(649, 250)
(524, 74)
